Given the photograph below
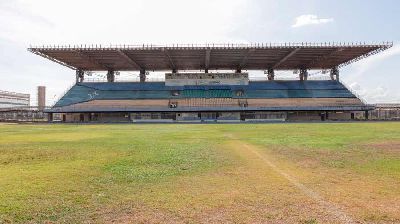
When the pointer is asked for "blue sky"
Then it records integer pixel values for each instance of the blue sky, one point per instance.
(25, 22)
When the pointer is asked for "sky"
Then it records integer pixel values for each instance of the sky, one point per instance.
(35, 22)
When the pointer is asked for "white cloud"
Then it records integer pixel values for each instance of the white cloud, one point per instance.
(378, 94)
(305, 20)
(119, 22)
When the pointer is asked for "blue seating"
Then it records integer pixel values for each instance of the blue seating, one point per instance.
(83, 92)
(212, 93)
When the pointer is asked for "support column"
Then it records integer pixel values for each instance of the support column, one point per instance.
(80, 75)
(206, 70)
(238, 70)
(110, 76)
(142, 75)
(334, 74)
(303, 74)
(50, 117)
(271, 74)
(366, 115)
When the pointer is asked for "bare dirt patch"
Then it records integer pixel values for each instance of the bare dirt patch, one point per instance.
(335, 211)
(387, 146)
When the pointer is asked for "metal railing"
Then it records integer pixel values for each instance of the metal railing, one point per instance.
(354, 92)
(133, 79)
(212, 45)
(154, 79)
(120, 108)
(58, 98)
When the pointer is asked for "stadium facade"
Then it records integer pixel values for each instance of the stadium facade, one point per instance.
(209, 82)
(11, 99)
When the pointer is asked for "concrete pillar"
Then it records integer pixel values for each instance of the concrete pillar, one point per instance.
(238, 70)
(303, 75)
(110, 76)
(366, 115)
(80, 75)
(271, 74)
(334, 73)
(50, 117)
(142, 75)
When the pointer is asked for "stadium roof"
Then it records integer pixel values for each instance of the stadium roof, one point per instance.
(286, 56)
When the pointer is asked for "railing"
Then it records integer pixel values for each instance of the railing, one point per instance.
(354, 92)
(310, 78)
(58, 98)
(134, 79)
(214, 45)
(114, 108)
(23, 108)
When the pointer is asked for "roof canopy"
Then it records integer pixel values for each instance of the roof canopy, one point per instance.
(286, 56)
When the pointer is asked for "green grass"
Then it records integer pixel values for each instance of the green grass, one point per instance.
(98, 173)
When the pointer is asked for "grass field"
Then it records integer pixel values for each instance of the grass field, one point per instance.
(232, 173)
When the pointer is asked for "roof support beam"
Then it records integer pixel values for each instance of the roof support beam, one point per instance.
(91, 60)
(246, 57)
(207, 60)
(171, 63)
(52, 59)
(286, 57)
(129, 59)
(324, 57)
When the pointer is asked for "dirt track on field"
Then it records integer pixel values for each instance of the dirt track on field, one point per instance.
(257, 191)
(335, 212)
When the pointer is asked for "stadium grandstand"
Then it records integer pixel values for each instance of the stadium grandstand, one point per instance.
(209, 82)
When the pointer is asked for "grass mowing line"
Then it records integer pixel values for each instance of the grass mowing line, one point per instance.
(330, 207)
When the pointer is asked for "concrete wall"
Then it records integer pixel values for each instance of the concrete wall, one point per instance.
(339, 116)
(229, 116)
(303, 116)
(182, 79)
(187, 116)
(96, 117)
(198, 116)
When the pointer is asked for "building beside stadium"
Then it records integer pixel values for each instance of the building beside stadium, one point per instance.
(209, 82)
(11, 99)
(16, 107)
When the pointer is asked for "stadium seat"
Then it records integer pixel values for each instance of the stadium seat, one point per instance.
(268, 92)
